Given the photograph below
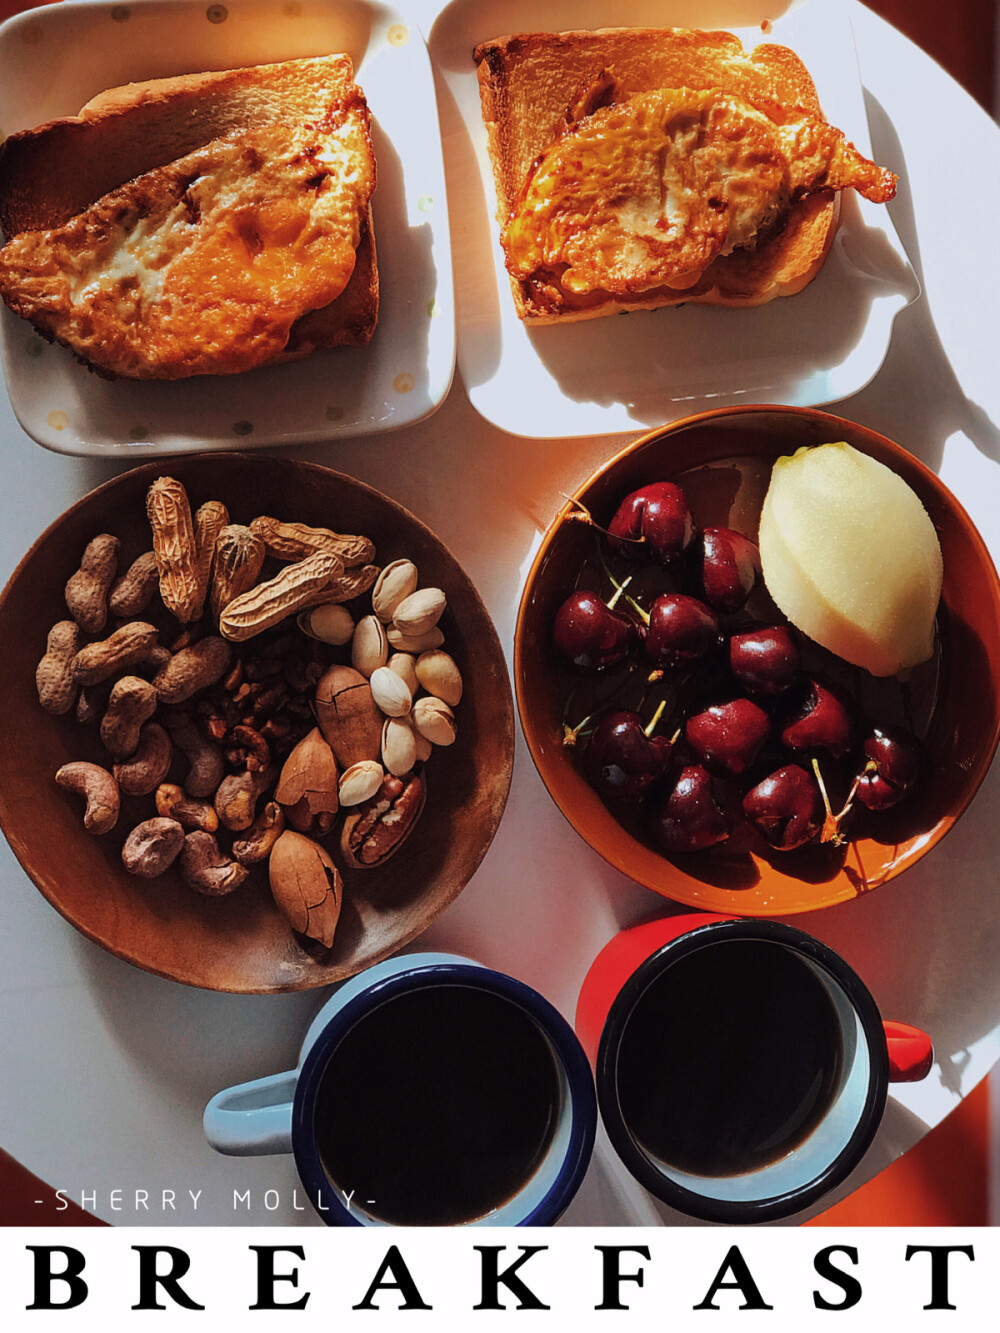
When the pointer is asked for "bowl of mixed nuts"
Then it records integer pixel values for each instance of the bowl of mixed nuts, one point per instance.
(257, 731)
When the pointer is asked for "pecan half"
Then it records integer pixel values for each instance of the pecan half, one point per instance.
(379, 827)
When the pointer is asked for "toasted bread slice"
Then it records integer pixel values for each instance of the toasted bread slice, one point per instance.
(535, 86)
(51, 174)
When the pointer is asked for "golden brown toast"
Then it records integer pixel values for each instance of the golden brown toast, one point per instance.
(49, 175)
(528, 82)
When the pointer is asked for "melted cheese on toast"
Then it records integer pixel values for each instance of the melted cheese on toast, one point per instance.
(203, 266)
(647, 192)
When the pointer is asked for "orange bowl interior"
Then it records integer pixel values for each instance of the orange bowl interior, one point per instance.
(962, 731)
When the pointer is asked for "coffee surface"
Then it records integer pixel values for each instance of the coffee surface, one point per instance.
(729, 1060)
(437, 1106)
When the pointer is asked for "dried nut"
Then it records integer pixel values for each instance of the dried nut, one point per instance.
(399, 746)
(372, 834)
(87, 590)
(331, 623)
(236, 799)
(207, 764)
(206, 869)
(172, 802)
(259, 839)
(128, 646)
(308, 782)
(439, 676)
(57, 688)
(360, 782)
(352, 583)
(369, 647)
(132, 702)
(176, 547)
(100, 789)
(210, 520)
(157, 658)
(393, 585)
(348, 716)
(152, 847)
(424, 748)
(134, 591)
(419, 612)
(390, 692)
(147, 768)
(192, 669)
(249, 748)
(306, 886)
(239, 554)
(434, 720)
(295, 541)
(271, 602)
(404, 665)
(414, 643)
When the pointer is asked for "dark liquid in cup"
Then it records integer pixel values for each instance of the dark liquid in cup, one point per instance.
(437, 1106)
(729, 1059)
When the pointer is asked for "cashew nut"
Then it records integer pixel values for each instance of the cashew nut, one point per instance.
(206, 869)
(207, 764)
(172, 803)
(260, 837)
(100, 789)
(152, 847)
(148, 767)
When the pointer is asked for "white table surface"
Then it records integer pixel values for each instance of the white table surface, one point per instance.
(107, 1069)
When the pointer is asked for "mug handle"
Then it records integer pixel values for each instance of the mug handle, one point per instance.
(911, 1052)
(253, 1118)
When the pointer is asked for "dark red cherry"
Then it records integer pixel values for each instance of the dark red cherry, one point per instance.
(764, 661)
(622, 761)
(690, 818)
(786, 808)
(818, 720)
(658, 521)
(590, 636)
(728, 736)
(681, 629)
(730, 568)
(892, 766)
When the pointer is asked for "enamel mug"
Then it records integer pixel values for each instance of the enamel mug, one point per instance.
(742, 1066)
(430, 1091)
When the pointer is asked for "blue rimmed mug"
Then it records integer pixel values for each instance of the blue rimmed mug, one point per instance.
(281, 1113)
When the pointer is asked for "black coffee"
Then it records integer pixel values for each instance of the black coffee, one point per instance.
(729, 1059)
(437, 1106)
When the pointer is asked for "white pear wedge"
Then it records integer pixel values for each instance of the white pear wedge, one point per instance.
(850, 556)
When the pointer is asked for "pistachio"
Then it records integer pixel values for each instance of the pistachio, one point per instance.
(360, 782)
(414, 643)
(439, 676)
(404, 665)
(392, 586)
(419, 612)
(390, 692)
(424, 748)
(369, 647)
(399, 746)
(434, 720)
(331, 623)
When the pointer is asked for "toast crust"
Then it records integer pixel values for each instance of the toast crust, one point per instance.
(528, 80)
(50, 174)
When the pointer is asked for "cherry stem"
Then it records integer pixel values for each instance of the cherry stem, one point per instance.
(655, 718)
(831, 824)
(583, 515)
(572, 734)
(620, 588)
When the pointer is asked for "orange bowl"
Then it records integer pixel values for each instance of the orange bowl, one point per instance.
(723, 460)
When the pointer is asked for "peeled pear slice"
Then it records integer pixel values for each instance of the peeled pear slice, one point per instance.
(850, 556)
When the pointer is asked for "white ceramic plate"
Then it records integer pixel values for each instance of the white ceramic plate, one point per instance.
(617, 374)
(54, 59)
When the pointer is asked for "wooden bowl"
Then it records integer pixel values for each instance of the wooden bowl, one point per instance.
(723, 459)
(240, 942)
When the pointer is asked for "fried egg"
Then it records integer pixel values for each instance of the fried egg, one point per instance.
(203, 266)
(647, 192)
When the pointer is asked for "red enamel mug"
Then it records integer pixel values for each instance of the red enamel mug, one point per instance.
(742, 1066)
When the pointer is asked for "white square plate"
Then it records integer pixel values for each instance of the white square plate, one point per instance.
(617, 374)
(54, 59)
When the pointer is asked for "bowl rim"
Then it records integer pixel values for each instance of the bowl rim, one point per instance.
(258, 460)
(714, 898)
